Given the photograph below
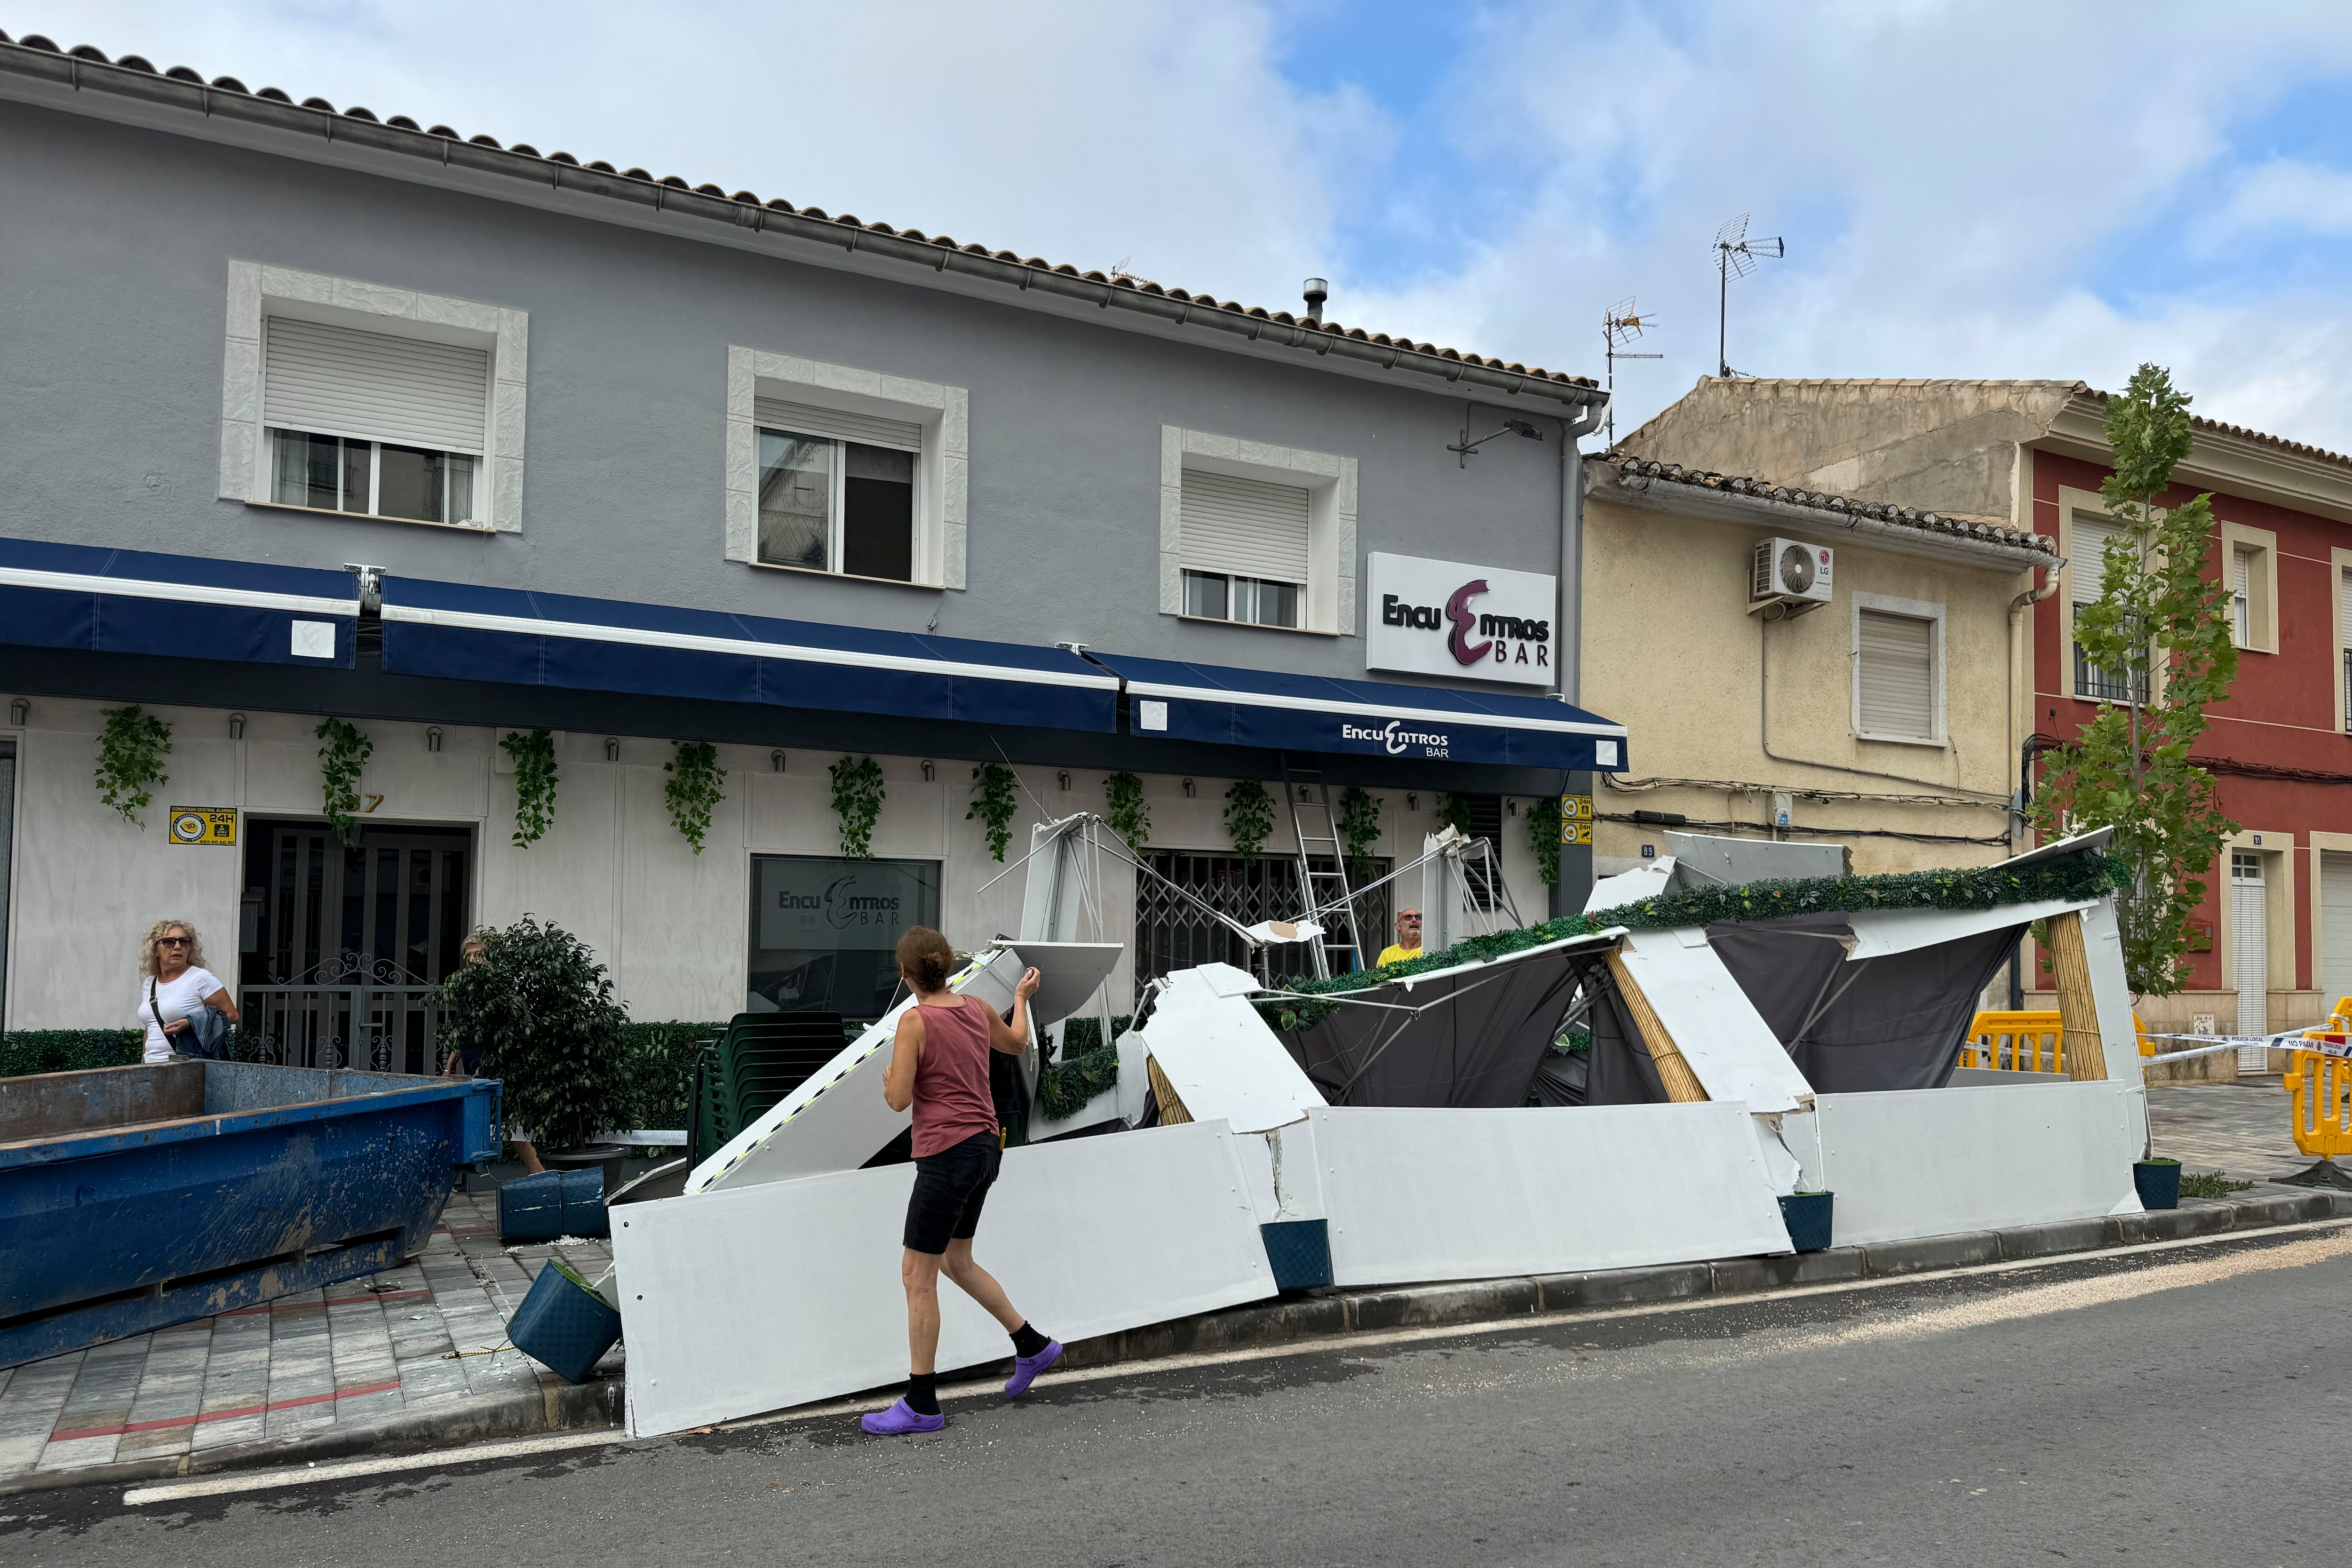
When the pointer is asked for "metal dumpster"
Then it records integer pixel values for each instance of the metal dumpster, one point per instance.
(135, 1197)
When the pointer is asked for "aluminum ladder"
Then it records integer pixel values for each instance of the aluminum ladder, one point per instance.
(1326, 890)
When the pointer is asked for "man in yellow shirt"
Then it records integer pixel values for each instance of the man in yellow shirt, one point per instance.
(1408, 942)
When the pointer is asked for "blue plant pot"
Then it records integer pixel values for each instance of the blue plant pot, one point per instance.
(1807, 1215)
(2158, 1182)
(1300, 1251)
(565, 1324)
(553, 1204)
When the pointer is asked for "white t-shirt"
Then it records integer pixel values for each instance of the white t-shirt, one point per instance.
(179, 998)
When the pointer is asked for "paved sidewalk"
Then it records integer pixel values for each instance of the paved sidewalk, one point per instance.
(2242, 1130)
(362, 1353)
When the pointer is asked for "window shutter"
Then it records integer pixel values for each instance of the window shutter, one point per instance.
(806, 419)
(2345, 592)
(339, 380)
(1897, 676)
(1247, 527)
(2089, 558)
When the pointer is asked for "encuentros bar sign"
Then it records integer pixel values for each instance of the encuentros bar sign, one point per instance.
(1444, 618)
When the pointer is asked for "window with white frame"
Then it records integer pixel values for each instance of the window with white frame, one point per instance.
(370, 400)
(1895, 675)
(2241, 596)
(837, 490)
(1245, 549)
(2087, 567)
(1255, 534)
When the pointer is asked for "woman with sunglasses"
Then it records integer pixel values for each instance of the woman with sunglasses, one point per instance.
(172, 962)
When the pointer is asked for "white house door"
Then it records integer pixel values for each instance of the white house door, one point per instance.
(2250, 955)
(2334, 926)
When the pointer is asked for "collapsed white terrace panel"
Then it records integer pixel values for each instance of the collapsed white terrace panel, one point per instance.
(1469, 1195)
(1907, 1163)
(1219, 1056)
(837, 1119)
(1880, 932)
(755, 1297)
(1716, 1028)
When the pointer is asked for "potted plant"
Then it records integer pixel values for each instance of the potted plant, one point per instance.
(543, 1008)
(2159, 1181)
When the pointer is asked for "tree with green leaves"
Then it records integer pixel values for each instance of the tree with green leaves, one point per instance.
(2160, 633)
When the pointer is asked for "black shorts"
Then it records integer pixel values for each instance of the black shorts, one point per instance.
(950, 1187)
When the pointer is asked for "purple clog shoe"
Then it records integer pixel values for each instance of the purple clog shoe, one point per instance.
(901, 1419)
(1025, 1368)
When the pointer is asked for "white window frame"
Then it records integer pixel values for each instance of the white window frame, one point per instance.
(258, 291)
(1328, 605)
(2262, 598)
(1917, 609)
(942, 469)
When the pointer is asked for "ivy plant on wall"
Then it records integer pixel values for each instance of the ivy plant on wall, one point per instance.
(995, 795)
(857, 802)
(1453, 812)
(1360, 829)
(697, 782)
(1130, 818)
(1249, 818)
(532, 752)
(344, 750)
(131, 752)
(1543, 837)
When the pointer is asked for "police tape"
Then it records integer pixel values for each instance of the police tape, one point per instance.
(2338, 1046)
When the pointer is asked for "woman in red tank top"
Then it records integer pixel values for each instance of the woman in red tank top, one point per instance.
(939, 1065)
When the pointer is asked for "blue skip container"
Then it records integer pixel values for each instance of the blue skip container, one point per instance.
(566, 1324)
(553, 1204)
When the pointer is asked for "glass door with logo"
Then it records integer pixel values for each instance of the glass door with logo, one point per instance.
(824, 932)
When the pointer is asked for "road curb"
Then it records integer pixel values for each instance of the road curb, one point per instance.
(1326, 1313)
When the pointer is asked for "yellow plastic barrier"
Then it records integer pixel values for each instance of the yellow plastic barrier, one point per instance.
(2320, 1090)
(2027, 1042)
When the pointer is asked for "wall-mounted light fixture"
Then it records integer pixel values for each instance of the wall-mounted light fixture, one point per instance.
(612, 748)
(433, 737)
(237, 726)
(1062, 780)
(1469, 448)
(1190, 789)
(931, 771)
(20, 713)
(1511, 807)
(1412, 803)
(776, 761)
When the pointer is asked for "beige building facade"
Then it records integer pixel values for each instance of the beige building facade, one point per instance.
(1876, 714)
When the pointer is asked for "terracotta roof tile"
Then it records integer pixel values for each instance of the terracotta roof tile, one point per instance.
(1989, 531)
(1561, 381)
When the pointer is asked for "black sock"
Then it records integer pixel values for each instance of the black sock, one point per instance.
(923, 1392)
(1027, 1341)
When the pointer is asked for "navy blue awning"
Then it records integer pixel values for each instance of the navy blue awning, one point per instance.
(1278, 710)
(187, 606)
(466, 633)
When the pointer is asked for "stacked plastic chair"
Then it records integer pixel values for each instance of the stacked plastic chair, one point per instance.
(763, 1057)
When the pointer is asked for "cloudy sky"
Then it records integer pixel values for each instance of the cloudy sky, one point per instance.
(1966, 189)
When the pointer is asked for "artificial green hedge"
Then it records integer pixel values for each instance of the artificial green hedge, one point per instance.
(2075, 878)
(23, 1051)
(1087, 1065)
(658, 1070)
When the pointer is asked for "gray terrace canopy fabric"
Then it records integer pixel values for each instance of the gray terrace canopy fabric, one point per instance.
(1475, 1038)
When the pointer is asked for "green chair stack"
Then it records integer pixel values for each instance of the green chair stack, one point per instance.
(763, 1057)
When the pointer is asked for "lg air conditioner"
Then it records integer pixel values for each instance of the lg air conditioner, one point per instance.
(1789, 573)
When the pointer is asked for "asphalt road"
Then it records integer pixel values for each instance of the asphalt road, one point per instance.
(2186, 1407)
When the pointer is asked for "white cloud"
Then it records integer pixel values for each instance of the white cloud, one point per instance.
(2283, 193)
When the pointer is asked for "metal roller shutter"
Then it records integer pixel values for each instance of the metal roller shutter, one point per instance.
(2335, 925)
(1897, 675)
(2249, 953)
(339, 380)
(1249, 528)
(806, 419)
(2086, 558)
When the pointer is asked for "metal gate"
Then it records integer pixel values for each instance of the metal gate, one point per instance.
(1172, 932)
(353, 942)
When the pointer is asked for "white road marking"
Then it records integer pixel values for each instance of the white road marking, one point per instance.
(2323, 1240)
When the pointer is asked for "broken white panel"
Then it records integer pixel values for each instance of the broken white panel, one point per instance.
(1783, 1170)
(1705, 858)
(1800, 1132)
(1907, 1162)
(757, 1298)
(1630, 887)
(2103, 946)
(1879, 933)
(1718, 1031)
(1470, 1195)
(1284, 1180)
(1219, 1056)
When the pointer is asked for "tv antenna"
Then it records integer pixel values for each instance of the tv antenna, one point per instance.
(1621, 325)
(1735, 255)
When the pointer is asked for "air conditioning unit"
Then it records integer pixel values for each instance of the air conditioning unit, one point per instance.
(1790, 572)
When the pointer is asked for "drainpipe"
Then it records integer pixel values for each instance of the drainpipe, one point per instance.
(1568, 631)
(2026, 749)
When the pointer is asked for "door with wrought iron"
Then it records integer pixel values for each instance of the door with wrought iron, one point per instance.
(1173, 928)
(345, 945)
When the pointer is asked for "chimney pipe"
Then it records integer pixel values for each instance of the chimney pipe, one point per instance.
(1317, 290)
